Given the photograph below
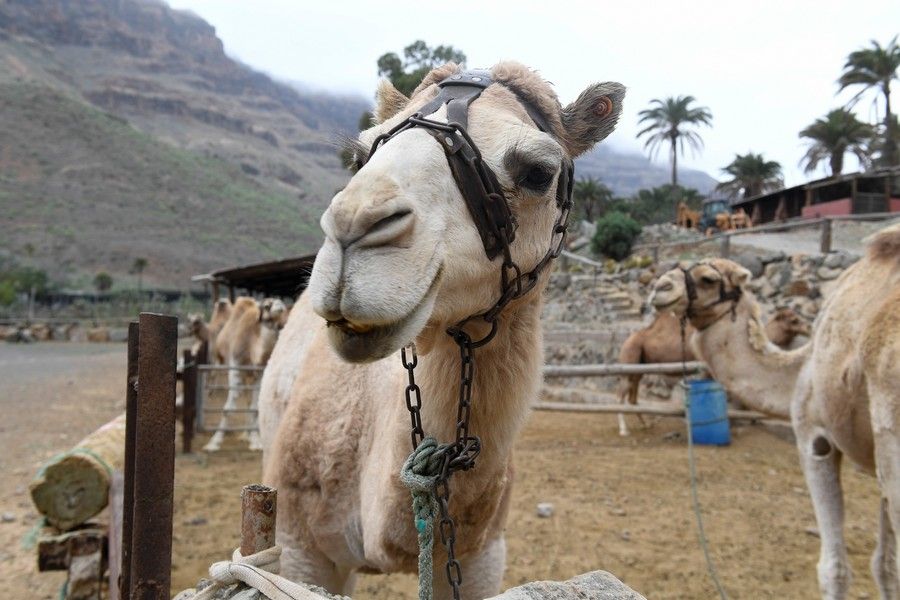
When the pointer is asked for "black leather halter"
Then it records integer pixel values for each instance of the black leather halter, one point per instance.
(476, 181)
(733, 295)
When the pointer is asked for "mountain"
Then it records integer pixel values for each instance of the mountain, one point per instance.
(625, 173)
(168, 150)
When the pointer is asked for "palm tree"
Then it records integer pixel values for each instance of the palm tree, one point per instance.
(138, 267)
(832, 137)
(751, 174)
(592, 198)
(874, 68)
(670, 121)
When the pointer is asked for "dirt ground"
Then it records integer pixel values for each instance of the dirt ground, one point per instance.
(622, 505)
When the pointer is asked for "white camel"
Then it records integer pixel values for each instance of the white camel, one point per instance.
(245, 340)
(841, 391)
(402, 261)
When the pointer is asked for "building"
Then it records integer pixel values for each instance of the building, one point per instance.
(856, 193)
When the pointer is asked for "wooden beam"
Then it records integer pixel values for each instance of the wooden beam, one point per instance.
(638, 409)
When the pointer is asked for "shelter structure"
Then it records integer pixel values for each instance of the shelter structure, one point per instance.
(285, 278)
(856, 193)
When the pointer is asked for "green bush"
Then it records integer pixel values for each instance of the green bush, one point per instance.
(615, 235)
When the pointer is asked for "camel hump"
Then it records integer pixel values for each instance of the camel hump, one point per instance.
(885, 244)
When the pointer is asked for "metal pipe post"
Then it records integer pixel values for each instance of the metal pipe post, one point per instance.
(128, 493)
(258, 508)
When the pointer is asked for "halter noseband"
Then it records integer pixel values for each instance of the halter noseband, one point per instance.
(733, 295)
(476, 181)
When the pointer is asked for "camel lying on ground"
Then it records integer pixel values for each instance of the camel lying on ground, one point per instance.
(403, 261)
(660, 342)
(246, 339)
(841, 391)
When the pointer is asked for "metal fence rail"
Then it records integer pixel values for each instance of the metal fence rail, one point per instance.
(209, 382)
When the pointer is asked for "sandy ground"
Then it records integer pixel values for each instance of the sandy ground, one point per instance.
(620, 504)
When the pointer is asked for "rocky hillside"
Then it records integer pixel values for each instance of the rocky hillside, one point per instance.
(626, 173)
(127, 132)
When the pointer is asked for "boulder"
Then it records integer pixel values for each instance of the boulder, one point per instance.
(645, 277)
(751, 263)
(827, 274)
(779, 274)
(834, 260)
(599, 585)
(798, 287)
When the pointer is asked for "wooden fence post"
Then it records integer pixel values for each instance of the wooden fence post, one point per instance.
(825, 241)
(725, 247)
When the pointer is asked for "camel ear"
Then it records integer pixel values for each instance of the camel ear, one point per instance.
(592, 116)
(388, 101)
(739, 276)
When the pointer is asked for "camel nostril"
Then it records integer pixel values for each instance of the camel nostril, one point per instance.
(389, 220)
(388, 230)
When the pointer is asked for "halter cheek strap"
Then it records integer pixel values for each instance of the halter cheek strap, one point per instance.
(733, 295)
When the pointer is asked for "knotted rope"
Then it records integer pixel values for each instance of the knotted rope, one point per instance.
(252, 578)
(419, 473)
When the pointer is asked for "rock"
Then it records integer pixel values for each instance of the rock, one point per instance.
(811, 531)
(751, 263)
(619, 512)
(767, 290)
(598, 585)
(827, 274)
(41, 332)
(798, 287)
(8, 517)
(778, 274)
(773, 258)
(645, 277)
(625, 535)
(545, 510)
(834, 260)
(196, 521)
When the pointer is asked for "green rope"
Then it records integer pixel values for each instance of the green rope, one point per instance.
(704, 544)
(419, 473)
(74, 451)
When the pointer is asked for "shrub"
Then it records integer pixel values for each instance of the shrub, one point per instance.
(615, 235)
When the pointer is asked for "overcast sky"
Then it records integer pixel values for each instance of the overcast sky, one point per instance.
(766, 69)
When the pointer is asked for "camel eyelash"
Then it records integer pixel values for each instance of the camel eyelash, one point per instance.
(353, 152)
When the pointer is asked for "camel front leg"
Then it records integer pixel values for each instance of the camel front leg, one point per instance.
(884, 565)
(482, 573)
(821, 462)
(628, 392)
(234, 381)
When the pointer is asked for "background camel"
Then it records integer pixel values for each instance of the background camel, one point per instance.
(208, 332)
(687, 218)
(402, 260)
(660, 342)
(840, 390)
(246, 339)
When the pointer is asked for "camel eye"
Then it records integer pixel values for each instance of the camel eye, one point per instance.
(709, 280)
(536, 178)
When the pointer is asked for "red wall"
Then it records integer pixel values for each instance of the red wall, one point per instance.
(895, 205)
(835, 207)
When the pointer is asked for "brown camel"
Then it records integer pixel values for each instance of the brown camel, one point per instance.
(660, 342)
(840, 390)
(208, 332)
(403, 261)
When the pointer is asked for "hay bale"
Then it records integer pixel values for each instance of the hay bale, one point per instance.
(98, 334)
(74, 486)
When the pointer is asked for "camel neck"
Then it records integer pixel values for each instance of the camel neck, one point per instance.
(752, 369)
(507, 378)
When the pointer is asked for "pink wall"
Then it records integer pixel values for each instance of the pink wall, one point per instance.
(895, 205)
(835, 207)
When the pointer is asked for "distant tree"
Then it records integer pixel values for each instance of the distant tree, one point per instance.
(658, 205)
(671, 121)
(138, 267)
(751, 174)
(418, 59)
(615, 235)
(591, 197)
(832, 136)
(103, 281)
(874, 68)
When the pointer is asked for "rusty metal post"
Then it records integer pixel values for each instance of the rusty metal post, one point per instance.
(258, 508)
(825, 240)
(128, 493)
(154, 472)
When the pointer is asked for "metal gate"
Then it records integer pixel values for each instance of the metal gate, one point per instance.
(214, 387)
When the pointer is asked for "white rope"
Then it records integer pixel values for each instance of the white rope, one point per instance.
(258, 574)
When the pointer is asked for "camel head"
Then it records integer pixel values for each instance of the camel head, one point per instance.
(402, 258)
(789, 325)
(196, 323)
(272, 312)
(717, 285)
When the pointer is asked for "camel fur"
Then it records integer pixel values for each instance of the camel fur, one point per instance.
(841, 391)
(401, 262)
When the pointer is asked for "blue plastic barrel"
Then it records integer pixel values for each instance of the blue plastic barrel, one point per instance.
(709, 413)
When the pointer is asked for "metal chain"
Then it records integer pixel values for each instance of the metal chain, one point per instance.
(413, 396)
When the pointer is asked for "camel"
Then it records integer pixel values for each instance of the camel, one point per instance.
(207, 332)
(402, 261)
(740, 219)
(840, 390)
(246, 339)
(660, 342)
(687, 218)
